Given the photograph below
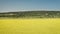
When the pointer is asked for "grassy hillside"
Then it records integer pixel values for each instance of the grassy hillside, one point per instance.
(32, 14)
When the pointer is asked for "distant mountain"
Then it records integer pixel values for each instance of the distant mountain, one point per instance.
(31, 14)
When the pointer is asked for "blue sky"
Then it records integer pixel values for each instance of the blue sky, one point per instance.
(16, 5)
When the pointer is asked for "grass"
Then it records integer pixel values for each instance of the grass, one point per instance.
(30, 26)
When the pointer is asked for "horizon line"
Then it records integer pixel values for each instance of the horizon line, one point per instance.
(29, 10)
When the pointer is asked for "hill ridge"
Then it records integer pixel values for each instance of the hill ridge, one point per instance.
(32, 14)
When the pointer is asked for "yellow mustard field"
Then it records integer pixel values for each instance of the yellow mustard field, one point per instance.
(30, 26)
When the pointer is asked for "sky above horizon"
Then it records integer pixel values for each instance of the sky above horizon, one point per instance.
(17, 5)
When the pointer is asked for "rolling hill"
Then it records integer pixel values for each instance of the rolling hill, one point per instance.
(31, 14)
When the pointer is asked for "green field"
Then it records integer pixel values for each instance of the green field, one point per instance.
(30, 26)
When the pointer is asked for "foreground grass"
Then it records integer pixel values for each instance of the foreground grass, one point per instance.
(30, 26)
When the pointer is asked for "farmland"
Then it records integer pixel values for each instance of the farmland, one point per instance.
(30, 26)
(30, 22)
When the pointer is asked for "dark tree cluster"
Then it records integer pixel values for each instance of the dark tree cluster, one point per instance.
(32, 14)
